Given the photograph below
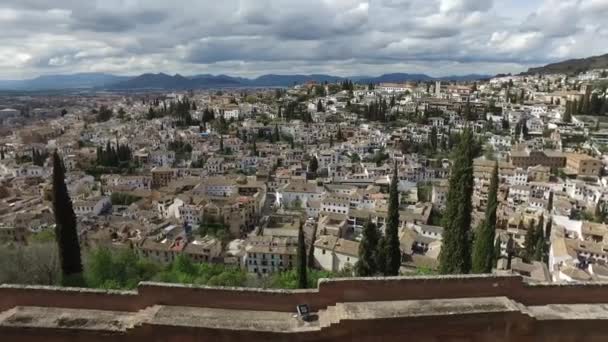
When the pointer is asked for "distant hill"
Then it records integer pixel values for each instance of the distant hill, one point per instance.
(572, 66)
(162, 81)
(73, 81)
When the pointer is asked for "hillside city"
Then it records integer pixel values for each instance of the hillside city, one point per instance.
(278, 187)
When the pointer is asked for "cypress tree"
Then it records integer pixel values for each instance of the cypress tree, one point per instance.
(433, 139)
(302, 278)
(531, 240)
(482, 248)
(455, 256)
(393, 252)
(313, 165)
(254, 148)
(540, 247)
(381, 255)
(366, 266)
(2, 153)
(277, 135)
(496, 253)
(65, 226)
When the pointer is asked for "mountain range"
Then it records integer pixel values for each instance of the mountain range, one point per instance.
(572, 66)
(101, 81)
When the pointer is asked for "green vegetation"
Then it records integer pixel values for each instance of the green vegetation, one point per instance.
(290, 280)
(483, 247)
(65, 228)
(368, 248)
(124, 270)
(455, 256)
(103, 114)
(38, 157)
(302, 266)
(392, 245)
(119, 157)
(210, 227)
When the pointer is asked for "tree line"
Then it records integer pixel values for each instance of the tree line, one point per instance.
(114, 157)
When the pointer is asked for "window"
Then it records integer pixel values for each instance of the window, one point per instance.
(323, 252)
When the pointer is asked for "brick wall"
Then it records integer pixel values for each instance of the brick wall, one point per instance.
(329, 292)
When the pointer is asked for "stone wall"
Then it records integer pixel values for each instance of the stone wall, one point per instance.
(329, 292)
(505, 326)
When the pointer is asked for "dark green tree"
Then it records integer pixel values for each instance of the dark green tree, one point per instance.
(254, 148)
(497, 253)
(381, 255)
(540, 250)
(455, 256)
(433, 139)
(366, 266)
(393, 251)
(313, 165)
(2, 153)
(277, 135)
(65, 226)
(531, 240)
(320, 106)
(302, 269)
(483, 251)
(568, 113)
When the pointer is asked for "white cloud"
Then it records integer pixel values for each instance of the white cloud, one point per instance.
(252, 37)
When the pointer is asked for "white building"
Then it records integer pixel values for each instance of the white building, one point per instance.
(334, 254)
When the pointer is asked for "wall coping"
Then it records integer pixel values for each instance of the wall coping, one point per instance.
(321, 283)
(67, 289)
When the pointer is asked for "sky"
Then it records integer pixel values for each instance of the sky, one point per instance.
(253, 37)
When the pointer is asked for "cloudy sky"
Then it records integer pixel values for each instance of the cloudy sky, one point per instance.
(254, 37)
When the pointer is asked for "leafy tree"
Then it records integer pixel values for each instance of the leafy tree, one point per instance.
(302, 280)
(483, 257)
(366, 266)
(65, 226)
(36, 263)
(455, 255)
(104, 114)
(393, 251)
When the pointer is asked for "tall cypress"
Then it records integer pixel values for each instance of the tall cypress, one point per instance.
(302, 278)
(483, 257)
(540, 249)
(455, 256)
(433, 139)
(531, 239)
(65, 225)
(393, 252)
(366, 266)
